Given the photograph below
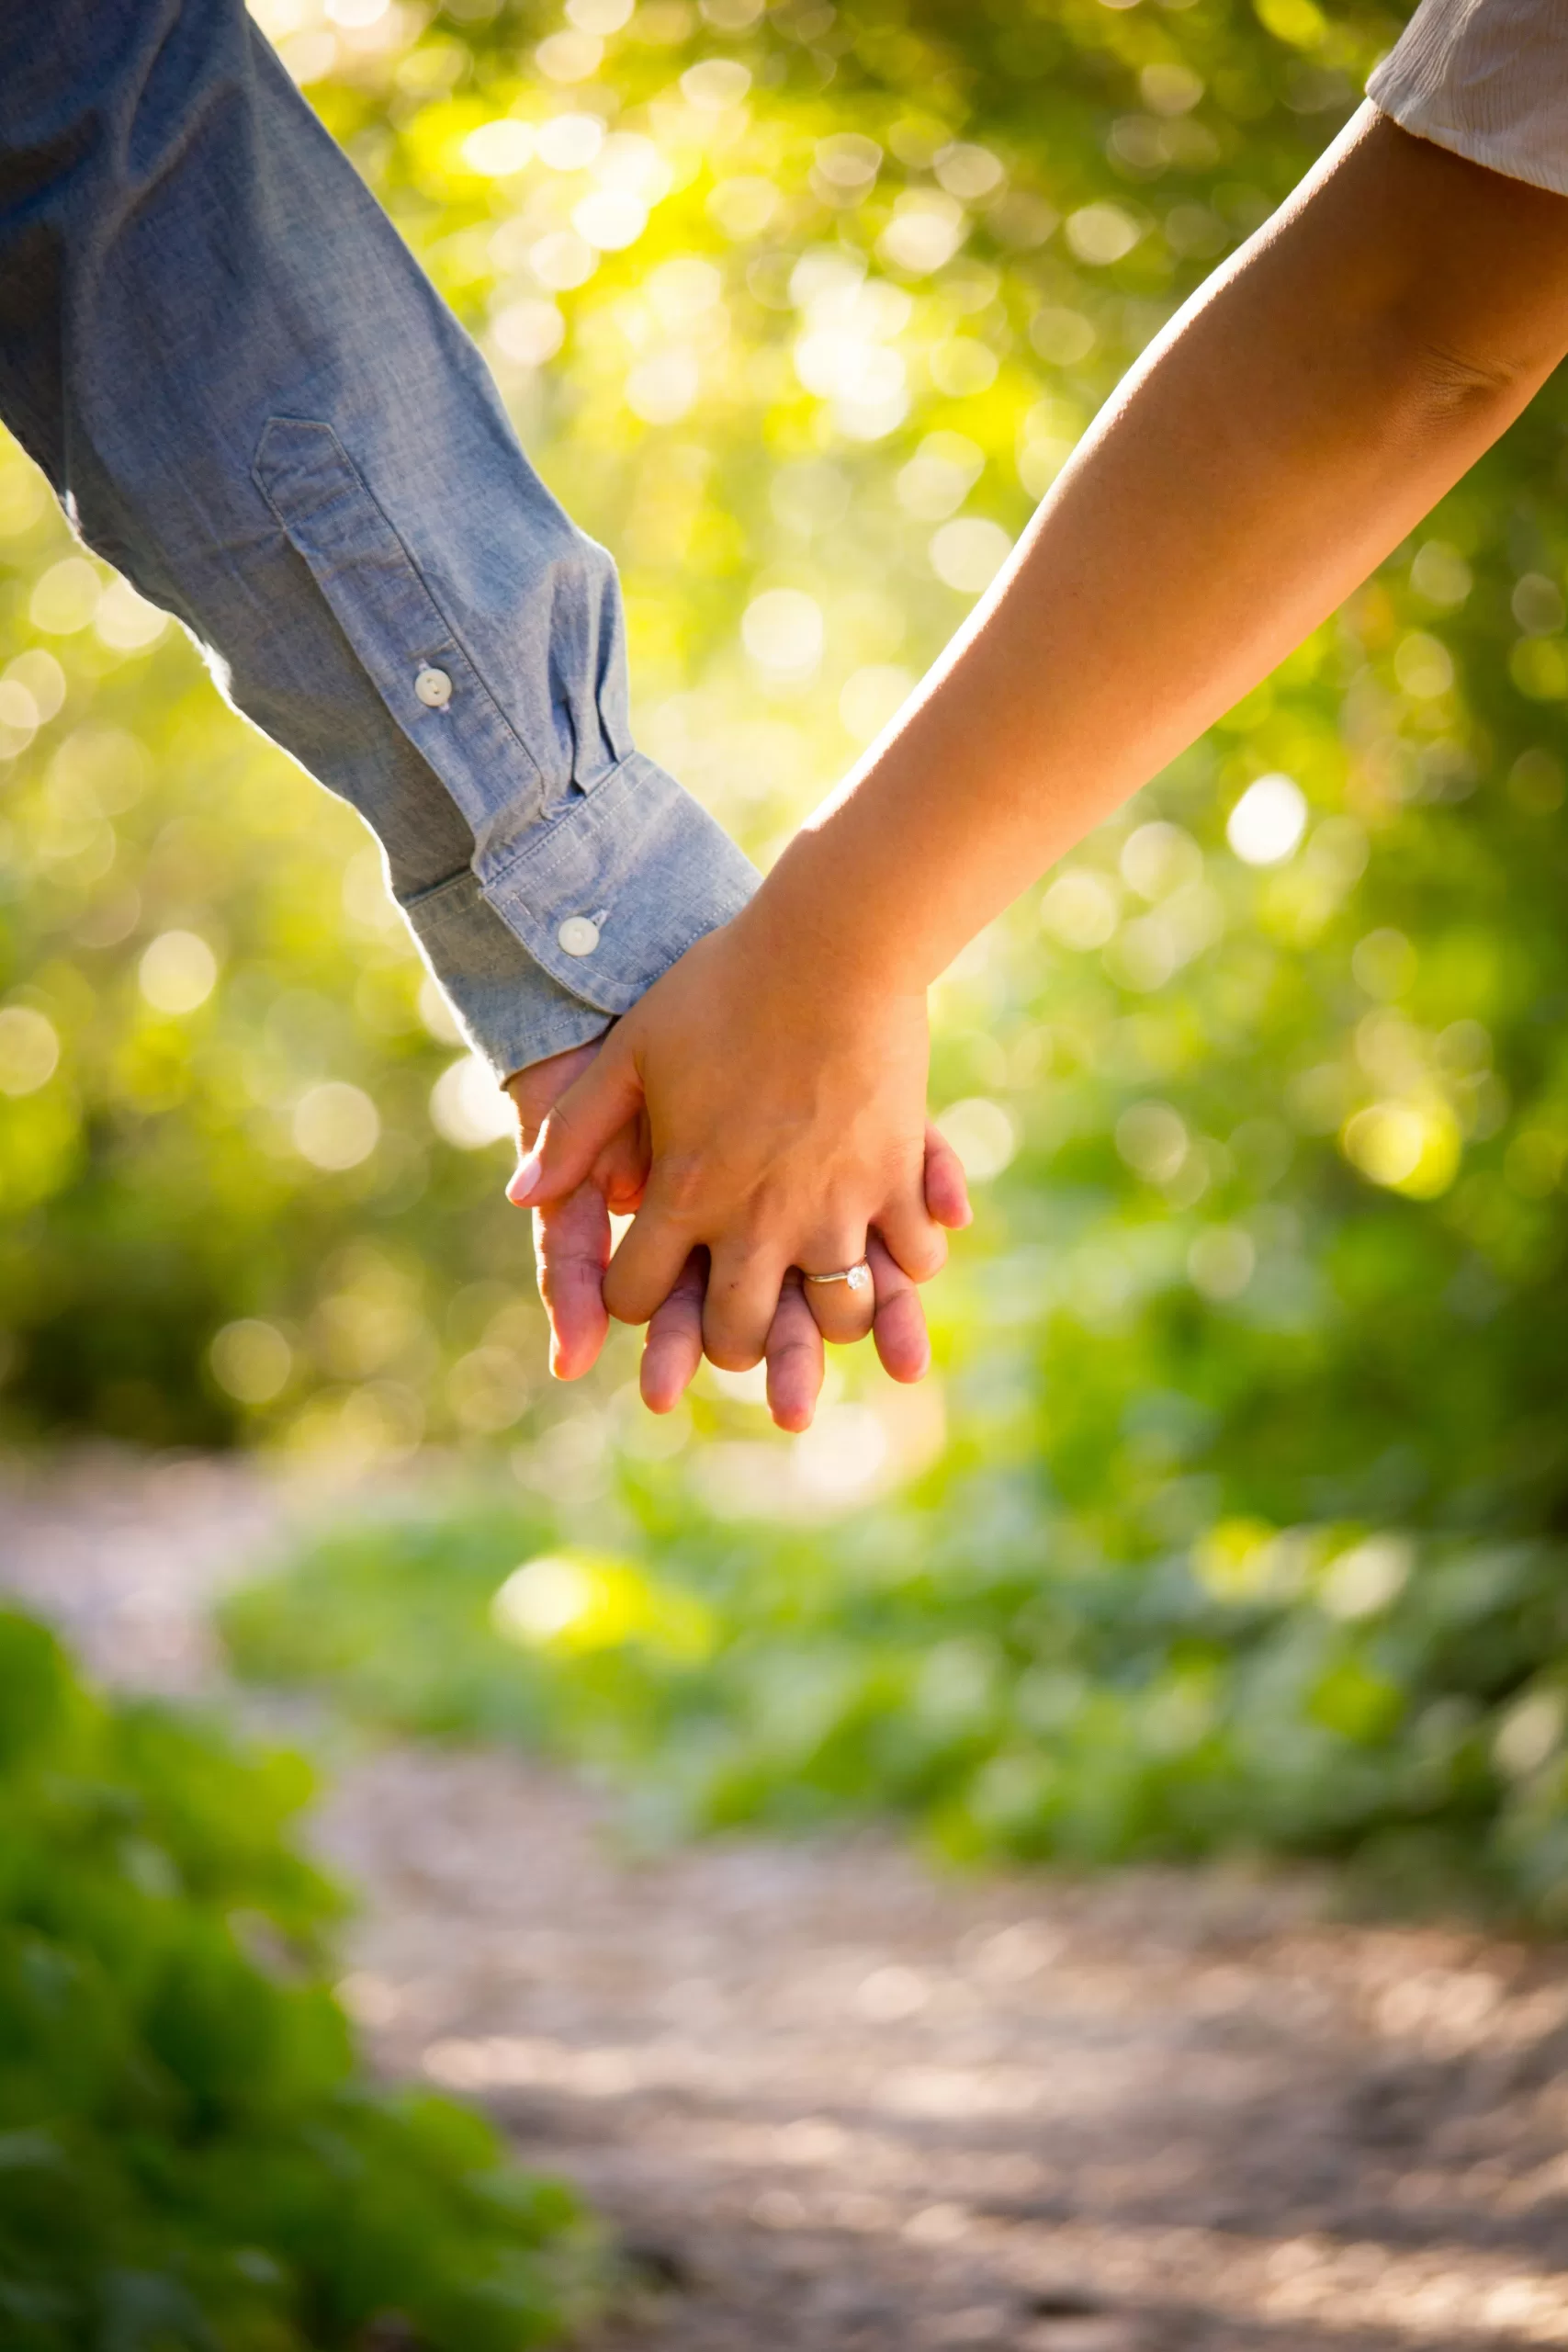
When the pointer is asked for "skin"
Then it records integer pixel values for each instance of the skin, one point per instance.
(571, 1253)
(1288, 430)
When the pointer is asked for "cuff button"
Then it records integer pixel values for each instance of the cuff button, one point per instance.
(433, 688)
(578, 935)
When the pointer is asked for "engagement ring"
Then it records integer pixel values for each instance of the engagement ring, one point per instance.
(858, 1276)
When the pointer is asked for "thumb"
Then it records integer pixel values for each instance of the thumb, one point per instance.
(580, 1125)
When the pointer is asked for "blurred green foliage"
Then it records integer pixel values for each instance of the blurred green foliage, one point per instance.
(1264, 1092)
(1325, 1693)
(190, 2152)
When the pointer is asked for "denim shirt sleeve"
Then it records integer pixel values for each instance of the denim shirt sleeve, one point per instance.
(254, 402)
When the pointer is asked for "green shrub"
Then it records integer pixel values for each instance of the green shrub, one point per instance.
(190, 2152)
(1322, 1691)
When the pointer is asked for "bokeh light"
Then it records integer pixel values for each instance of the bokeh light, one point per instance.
(469, 1109)
(178, 972)
(29, 1049)
(1268, 821)
(335, 1125)
(251, 1359)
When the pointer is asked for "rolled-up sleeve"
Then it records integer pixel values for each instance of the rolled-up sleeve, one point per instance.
(1488, 80)
(254, 402)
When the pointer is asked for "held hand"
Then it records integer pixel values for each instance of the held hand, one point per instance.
(572, 1249)
(786, 1121)
(794, 1350)
(571, 1236)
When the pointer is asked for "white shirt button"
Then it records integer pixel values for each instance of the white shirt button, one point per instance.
(433, 688)
(578, 935)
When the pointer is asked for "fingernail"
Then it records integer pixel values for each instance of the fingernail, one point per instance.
(524, 1182)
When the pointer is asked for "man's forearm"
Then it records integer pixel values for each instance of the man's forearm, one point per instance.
(231, 369)
(1287, 431)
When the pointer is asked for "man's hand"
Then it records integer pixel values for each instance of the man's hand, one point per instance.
(571, 1236)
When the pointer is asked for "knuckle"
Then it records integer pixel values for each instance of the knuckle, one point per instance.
(731, 1283)
(918, 1249)
(683, 1185)
(555, 1133)
(793, 1355)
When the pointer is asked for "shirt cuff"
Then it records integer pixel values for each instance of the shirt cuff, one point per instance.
(511, 1013)
(608, 894)
(631, 874)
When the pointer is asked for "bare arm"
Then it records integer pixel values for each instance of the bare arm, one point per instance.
(1288, 429)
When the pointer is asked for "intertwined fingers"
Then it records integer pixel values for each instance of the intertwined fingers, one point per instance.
(794, 1358)
(744, 1285)
(913, 1239)
(794, 1346)
(620, 1172)
(654, 1253)
(752, 1308)
(899, 1330)
(674, 1349)
(842, 1310)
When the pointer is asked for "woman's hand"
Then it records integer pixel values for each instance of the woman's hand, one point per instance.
(572, 1249)
(785, 1108)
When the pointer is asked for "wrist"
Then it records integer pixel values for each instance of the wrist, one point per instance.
(814, 919)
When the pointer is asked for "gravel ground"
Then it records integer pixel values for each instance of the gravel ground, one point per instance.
(831, 2102)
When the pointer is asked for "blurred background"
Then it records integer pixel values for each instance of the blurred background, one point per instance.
(1234, 1514)
(1231, 1506)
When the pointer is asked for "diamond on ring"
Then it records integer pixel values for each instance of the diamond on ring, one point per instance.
(857, 1276)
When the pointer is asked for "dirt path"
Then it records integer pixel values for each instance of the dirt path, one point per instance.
(834, 2104)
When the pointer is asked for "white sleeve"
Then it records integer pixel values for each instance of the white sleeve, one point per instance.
(1487, 79)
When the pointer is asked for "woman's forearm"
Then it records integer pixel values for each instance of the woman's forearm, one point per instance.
(1287, 431)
